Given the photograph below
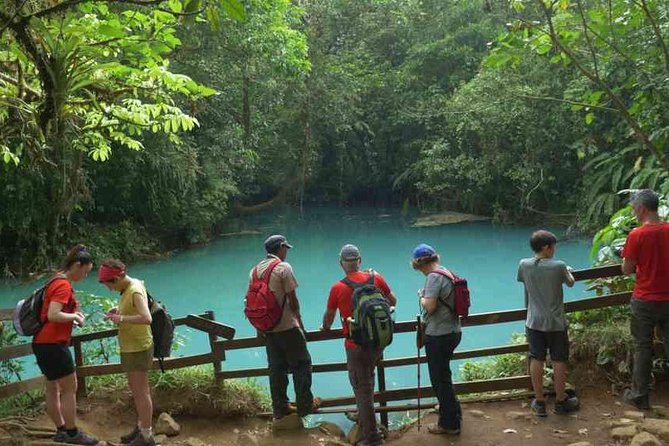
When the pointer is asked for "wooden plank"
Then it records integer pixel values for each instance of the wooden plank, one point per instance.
(15, 351)
(169, 363)
(85, 337)
(598, 272)
(210, 326)
(6, 314)
(610, 300)
(82, 391)
(22, 386)
(461, 388)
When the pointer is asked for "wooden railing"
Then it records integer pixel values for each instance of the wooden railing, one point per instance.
(215, 329)
(205, 322)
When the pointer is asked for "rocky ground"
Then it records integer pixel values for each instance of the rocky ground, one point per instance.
(603, 420)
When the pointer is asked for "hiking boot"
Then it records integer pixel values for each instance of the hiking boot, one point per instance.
(569, 405)
(434, 428)
(539, 408)
(139, 440)
(127, 438)
(640, 402)
(80, 438)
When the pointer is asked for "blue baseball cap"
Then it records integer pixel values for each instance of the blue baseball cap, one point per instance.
(423, 250)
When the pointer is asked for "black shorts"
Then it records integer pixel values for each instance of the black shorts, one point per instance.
(54, 360)
(557, 342)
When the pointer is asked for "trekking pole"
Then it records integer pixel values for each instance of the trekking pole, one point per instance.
(419, 336)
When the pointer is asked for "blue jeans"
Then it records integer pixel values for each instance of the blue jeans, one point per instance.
(439, 350)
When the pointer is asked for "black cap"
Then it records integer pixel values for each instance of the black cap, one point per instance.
(274, 242)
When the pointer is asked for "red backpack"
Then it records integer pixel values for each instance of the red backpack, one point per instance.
(260, 305)
(461, 299)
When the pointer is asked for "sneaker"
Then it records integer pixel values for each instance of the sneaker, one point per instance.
(60, 437)
(127, 438)
(80, 438)
(434, 428)
(569, 405)
(640, 402)
(139, 440)
(539, 408)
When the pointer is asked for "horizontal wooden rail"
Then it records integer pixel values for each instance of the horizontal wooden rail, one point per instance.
(15, 351)
(168, 364)
(598, 272)
(25, 385)
(6, 314)
(85, 337)
(212, 327)
(397, 362)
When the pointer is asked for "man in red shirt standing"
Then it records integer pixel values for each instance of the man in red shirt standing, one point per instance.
(646, 253)
(361, 361)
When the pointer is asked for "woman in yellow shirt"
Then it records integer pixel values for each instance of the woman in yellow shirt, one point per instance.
(133, 318)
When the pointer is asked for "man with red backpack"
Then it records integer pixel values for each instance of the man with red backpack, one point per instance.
(272, 308)
(441, 315)
(364, 300)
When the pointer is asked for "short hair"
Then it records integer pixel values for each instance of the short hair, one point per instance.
(425, 260)
(646, 198)
(542, 238)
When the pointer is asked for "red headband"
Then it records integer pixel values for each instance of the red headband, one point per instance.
(109, 273)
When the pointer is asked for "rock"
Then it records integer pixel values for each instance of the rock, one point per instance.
(661, 411)
(332, 442)
(289, 422)
(247, 440)
(162, 438)
(657, 427)
(355, 434)
(477, 413)
(634, 415)
(331, 429)
(645, 439)
(624, 433)
(621, 422)
(446, 218)
(515, 415)
(193, 441)
(580, 443)
(166, 425)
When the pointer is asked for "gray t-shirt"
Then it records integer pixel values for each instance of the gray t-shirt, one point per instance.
(543, 279)
(442, 321)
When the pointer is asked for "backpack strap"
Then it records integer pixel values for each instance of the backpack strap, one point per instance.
(450, 276)
(355, 285)
(268, 272)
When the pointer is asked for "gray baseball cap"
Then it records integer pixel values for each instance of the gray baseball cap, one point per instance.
(273, 242)
(349, 252)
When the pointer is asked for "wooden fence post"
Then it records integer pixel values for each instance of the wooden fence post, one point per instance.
(79, 361)
(381, 374)
(209, 314)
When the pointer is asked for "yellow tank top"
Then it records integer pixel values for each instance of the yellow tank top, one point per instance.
(133, 337)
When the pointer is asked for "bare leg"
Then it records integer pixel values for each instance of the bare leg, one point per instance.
(537, 375)
(53, 408)
(560, 379)
(68, 399)
(141, 394)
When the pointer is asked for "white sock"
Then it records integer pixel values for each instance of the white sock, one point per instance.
(146, 432)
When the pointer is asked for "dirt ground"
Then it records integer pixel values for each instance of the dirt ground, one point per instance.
(484, 424)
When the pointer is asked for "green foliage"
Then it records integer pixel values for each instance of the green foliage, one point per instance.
(501, 366)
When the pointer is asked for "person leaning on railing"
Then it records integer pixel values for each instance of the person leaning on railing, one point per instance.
(646, 253)
(60, 312)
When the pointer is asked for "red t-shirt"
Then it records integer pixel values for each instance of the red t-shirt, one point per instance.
(59, 291)
(341, 298)
(648, 246)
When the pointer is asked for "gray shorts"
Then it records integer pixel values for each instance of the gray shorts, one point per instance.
(555, 342)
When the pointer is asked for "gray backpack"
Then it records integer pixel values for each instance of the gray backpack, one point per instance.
(27, 313)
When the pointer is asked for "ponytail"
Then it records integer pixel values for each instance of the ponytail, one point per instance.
(78, 254)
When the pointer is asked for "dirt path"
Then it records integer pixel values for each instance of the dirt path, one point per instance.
(484, 424)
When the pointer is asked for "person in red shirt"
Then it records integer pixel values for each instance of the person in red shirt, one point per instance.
(646, 253)
(60, 312)
(361, 361)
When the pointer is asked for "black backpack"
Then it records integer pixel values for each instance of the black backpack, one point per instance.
(371, 323)
(27, 313)
(162, 330)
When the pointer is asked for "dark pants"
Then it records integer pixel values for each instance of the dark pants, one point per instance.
(645, 316)
(439, 350)
(361, 363)
(287, 351)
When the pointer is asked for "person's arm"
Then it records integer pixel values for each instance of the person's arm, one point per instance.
(142, 306)
(430, 298)
(55, 314)
(630, 254)
(569, 277)
(628, 266)
(328, 319)
(381, 283)
(430, 304)
(294, 305)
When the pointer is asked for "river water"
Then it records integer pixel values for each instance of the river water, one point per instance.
(215, 277)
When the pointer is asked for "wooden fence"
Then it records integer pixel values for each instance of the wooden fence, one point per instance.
(206, 323)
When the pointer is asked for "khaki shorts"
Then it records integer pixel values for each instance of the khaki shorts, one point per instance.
(137, 361)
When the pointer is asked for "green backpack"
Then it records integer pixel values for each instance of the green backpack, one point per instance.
(371, 323)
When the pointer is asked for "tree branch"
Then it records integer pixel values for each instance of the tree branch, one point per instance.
(7, 78)
(658, 33)
(61, 7)
(587, 38)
